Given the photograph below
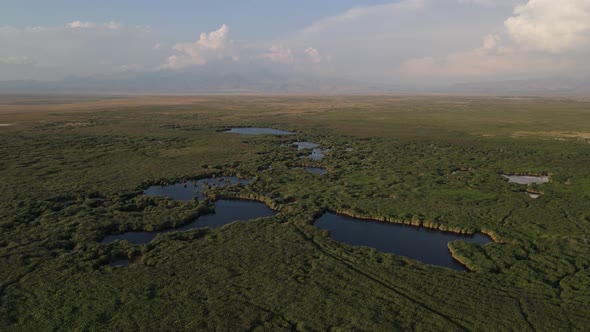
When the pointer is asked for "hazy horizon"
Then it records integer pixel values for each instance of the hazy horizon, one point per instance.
(406, 45)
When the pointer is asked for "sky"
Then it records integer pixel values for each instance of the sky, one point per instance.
(417, 42)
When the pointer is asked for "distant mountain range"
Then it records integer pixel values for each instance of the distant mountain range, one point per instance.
(262, 79)
(213, 79)
(554, 86)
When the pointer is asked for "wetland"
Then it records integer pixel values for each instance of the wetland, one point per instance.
(159, 174)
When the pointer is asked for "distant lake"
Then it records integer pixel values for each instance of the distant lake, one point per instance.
(258, 131)
(226, 211)
(526, 179)
(316, 152)
(426, 245)
(316, 170)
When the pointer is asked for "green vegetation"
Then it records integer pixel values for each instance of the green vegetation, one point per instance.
(73, 173)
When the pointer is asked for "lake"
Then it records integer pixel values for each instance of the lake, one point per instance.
(316, 170)
(258, 131)
(226, 212)
(526, 179)
(316, 152)
(426, 245)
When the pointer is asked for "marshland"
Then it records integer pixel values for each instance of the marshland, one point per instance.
(231, 229)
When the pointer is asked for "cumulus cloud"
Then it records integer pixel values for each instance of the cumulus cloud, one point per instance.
(296, 58)
(370, 43)
(414, 40)
(403, 41)
(92, 25)
(551, 26)
(313, 54)
(280, 54)
(542, 37)
(113, 25)
(81, 25)
(491, 59)
(213, 45)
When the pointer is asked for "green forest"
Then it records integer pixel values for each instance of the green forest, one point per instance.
(73, 170)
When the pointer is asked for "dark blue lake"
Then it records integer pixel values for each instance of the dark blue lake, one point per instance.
(226, 211)
(426, 245)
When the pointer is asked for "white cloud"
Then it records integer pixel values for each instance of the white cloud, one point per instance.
(280, 54)
(16, 60)
(415, 40)
(403, 41)
(543, 37)
(491, 59)
(74, 49)
(550, 25)
(113, 25)
(297, 59)
(213, 45)
(81, 25)
(492, 3)
(370, 43)
(313, 54)
(359, 13)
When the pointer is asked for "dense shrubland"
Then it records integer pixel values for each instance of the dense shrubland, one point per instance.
(64, 188)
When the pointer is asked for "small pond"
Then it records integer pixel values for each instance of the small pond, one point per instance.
(226, 211)
(190, 189)
(316, 170)
(526, 179)
(426, 245)
(316, 152)
(258, 131)
(313, 170)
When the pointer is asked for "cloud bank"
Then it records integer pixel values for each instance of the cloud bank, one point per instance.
(77, 48)
(419, 42)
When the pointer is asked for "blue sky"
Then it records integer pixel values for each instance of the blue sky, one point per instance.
(413, 42)
(250, 20)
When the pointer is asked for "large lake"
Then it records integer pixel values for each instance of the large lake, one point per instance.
(226, 211)
(426, 245)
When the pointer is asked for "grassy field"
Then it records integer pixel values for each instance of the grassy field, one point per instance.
(73, 169)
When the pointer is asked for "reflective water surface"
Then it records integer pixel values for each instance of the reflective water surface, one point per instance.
(426, 245)
(226, 211)
(258, 131)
